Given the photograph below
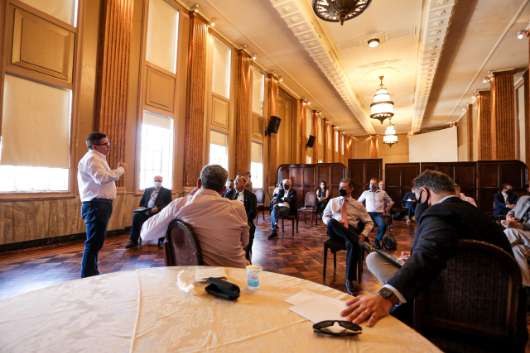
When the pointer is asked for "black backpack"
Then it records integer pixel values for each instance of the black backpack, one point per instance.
(389, 242)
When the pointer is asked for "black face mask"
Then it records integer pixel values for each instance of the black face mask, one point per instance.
(421, 206)
(373, 187)
(286, 187)
(343, 192)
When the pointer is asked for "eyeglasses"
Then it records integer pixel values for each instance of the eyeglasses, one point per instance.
(337, 328)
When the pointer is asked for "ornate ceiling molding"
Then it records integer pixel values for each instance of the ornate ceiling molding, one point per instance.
(436, 17)
(304, 25)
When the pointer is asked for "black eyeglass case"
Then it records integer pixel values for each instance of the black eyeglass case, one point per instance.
(222, 289)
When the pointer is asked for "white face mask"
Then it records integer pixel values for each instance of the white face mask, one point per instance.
(158, 184)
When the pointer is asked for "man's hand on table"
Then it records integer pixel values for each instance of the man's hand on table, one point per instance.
(371, 308)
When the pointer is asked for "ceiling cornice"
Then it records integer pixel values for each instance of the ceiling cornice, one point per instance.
(303, 24)
(436, 19)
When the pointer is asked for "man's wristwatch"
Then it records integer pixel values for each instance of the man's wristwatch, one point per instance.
(389, 295)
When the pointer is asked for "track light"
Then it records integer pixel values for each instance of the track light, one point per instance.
(374, 43)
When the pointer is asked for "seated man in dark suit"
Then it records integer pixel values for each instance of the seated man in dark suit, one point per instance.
(409, 203)
(249, 200)
(504, 200)
(153, 200)
(442, 220)
(283, 203)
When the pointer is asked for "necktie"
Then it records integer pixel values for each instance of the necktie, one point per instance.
(344, 213)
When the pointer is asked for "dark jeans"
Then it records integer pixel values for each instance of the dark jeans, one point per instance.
(248, 249)
(276, 213)
(336, 230)
(138, 220)
(381, 225)
(96, 214)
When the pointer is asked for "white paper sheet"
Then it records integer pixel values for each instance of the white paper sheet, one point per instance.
(203, 273)
(317, 308)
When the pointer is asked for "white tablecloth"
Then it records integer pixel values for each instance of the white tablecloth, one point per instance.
(145, 311)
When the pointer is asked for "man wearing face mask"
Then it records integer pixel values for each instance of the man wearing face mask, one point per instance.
(283, 203)
(504, 201)
(153, 200)
(378, 204)
(344, 217)
(442, 220)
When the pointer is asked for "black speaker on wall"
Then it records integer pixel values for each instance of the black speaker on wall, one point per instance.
(310, 141)
(274, 125)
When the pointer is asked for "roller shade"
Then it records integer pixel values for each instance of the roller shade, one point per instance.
(35, 124)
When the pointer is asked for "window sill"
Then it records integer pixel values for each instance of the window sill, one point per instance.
(35, 196)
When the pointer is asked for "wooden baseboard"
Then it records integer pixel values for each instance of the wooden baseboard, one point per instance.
(55, 240)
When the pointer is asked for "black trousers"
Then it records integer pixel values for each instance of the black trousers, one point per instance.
(137, 222)
(96, 214)
(248, 249)
(350, 236)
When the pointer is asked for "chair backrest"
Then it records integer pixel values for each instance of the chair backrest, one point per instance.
(476, 295)
(181, 246)
(310, 199)
(260, 196)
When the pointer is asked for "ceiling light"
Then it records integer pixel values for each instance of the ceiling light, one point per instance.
(374, 43)
(212, 24)
(195, 8)
(382, 106)
(254, 57)
(390, 136)
(522, 34)
(339, 10)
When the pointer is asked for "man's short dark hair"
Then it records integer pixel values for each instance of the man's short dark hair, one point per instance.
(213, 177)
(347, 181)
(434, 180)
(93, 138)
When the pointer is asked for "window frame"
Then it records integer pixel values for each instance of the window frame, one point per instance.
(7, 9)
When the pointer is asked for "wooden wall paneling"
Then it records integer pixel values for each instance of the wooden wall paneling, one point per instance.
(362, 170)
(114, 77)
(465, 175)
(195, 130)
(503, 115)
(160, 90)
(7, 227)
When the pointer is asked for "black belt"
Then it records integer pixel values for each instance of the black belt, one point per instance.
(99, 200)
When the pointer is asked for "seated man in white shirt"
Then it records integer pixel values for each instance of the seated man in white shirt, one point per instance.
(344, 217)
(378, 203)
(219, 224)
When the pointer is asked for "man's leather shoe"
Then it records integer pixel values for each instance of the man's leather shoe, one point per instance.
(273, 235)
(352, 287)
(378, 244)
(131, 244)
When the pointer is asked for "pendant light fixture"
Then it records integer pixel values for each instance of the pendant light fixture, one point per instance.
(382, 106)
(339, 10)
(390, 136)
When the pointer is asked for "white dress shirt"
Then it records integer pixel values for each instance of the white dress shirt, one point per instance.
(95, 179)
(354, 209)
(376, 201)
(219, 224)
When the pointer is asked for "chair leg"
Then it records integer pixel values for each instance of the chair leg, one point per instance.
(334, 266)
(297, 225)
(292, 228)
(283, 227)
(325, 264)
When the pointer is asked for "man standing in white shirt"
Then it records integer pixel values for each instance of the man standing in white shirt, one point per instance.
(97, 189)
(378, 203)
(344, 217)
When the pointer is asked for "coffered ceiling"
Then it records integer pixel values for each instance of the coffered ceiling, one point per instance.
(433, 53)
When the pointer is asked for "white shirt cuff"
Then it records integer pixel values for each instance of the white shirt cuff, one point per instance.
(401, 298)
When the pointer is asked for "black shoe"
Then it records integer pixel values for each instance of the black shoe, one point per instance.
(352, 287)
(131, 244)
(273, 235)
(160, 242)
(378, 244)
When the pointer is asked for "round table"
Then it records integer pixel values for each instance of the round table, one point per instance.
(145, 311)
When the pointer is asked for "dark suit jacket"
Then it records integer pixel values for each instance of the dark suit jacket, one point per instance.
(162, 200)
(250, 202)
(290, 197)
(438, 230)
(499, 206)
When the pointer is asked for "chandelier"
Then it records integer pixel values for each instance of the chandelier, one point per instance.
(390, 136)
(382, 106)
(339, 10)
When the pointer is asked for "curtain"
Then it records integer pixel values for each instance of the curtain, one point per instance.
(243, 113)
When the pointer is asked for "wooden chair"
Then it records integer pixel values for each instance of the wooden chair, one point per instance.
(293, 217)
(310, 207)
(473, 305)
(181, 246)
(336, 245)
(260, 198)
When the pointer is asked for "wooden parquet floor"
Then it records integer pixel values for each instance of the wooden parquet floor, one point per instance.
(301, 256)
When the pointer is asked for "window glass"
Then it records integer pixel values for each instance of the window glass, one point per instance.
(221, 65)
(162, 35)
(256, 165)
(64, 10)
(219, 149)
(156, 149)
